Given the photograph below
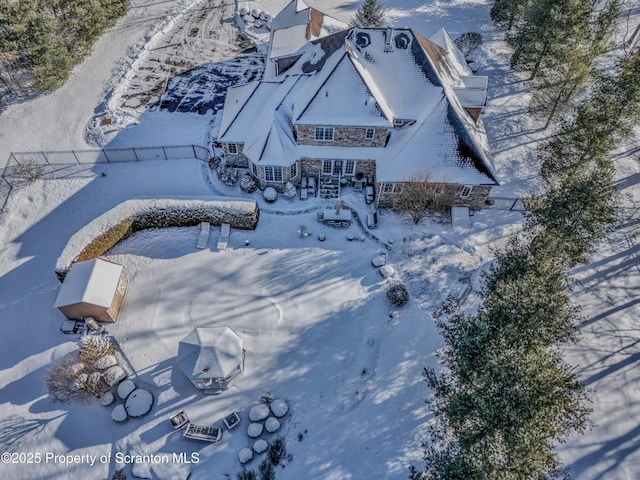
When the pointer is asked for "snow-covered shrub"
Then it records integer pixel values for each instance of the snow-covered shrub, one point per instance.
(289, 190)
(105, 362)
(248, 184)
(378, 261)
(107, 399)
(125, 389)
(270, 194)
(266, 470)
(95, 346)
(214, 163)
(398, 295)
(260, 446)
(113, 375)
(272, 425)
(139, 403)
(119, 414)
(386, 271)
(255, 13)
(227, 175)
(245, 455)
(279, 407)
(243, 10)
(277, 451)
(259, 412)
(254, 430)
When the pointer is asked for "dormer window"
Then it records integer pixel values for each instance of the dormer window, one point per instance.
(324, 134)
(398, 122)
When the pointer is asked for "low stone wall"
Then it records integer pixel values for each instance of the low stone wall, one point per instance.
(131, 216)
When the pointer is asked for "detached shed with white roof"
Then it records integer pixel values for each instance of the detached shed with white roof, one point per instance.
(94, 288)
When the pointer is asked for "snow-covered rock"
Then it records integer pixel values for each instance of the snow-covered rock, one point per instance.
(378, 261)
(125, 389)
(119, 413)
(105, 362)
(255, 430)
(139, 402)
(113, 375)
(386, 271)
(245, 455)
(259, 412)
(260, 446)
(107, 399)
(272, 425)
(279, 407)
(243, 10)
(270, 194)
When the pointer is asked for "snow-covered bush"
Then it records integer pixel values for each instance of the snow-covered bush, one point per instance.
(125, 389)
(94, 347)
(119, 414)
(260, 446)
(254, 430)
(214, 163)
(248, 184)
(139, 403)
(259, 412)
(243, 10)
(289, 190)
(245, 455)
(398, 295)
(113, 375)
(272, 425)
(270, 194)
(255, 13)
(107, 399)
(279, 407)
(105, 362)
(386, 271)
(277, 451)
(27, 172)
(227, 175)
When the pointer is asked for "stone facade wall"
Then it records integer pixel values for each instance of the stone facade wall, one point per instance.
(475, 200)
(342, 136)
(237, 160)
(312, 167)
(279, 186)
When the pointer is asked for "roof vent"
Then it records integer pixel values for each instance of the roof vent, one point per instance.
(363, 39)
(402, 41)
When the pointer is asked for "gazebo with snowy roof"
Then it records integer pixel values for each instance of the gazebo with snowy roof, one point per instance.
(94, 288)
(212, 358)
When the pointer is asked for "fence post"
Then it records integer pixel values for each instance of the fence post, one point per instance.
(193, 147)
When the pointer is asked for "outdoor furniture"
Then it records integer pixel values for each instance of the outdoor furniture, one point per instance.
(203, 433)
(203, 240)
(337, 217)
(358, 185)
(312, 186)
(223, 241)
(232, 420)
(372, 220)
(369, 194)
(179, 420)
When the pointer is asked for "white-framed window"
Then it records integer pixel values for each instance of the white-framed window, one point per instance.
(466, 191)
(273, 174)
(326, 167)
(233, 148)
(387, 188)
(398, 122)
(294, 170)
(370, 133)
(349, 167)
(254, 169)
(324, 134)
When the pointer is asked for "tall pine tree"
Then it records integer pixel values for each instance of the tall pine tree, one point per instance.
(370, 14)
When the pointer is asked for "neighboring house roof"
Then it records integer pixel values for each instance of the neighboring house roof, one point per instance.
(94, 281)
(376, 78)
(212, 352)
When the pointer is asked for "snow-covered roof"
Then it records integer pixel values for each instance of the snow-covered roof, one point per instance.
(94, 281)
(212, 352)
(378, 78)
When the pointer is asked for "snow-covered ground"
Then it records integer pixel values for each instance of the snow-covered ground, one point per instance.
(313, 314)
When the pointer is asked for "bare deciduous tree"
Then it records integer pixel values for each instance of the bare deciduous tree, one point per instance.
(420, 198)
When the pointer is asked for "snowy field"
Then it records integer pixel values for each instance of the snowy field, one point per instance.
(313, 314)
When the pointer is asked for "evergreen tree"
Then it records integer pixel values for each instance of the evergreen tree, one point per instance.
(508, 13)
(370, 14)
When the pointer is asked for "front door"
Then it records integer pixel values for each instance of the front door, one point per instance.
(337, 168)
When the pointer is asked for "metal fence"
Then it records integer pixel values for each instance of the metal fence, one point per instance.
(91, 157)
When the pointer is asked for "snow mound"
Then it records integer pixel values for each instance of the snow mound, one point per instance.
(125, 389)
(107, 399)
(386, 271)
(119, 414)
(378, 261)
(255, 430)
(245, 455)
(105, 362)
(139, 402)
(289, 190)
(260, 446)
(258, 412)
(279, 407)
(272, 425)
(270, 194)
(113, 375)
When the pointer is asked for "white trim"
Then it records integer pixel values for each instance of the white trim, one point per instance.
(235, 147)
(466, 191)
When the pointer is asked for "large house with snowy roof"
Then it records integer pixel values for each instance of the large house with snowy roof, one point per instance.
(385, 105)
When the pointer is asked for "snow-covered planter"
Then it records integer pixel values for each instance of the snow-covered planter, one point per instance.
(259, 412)
(398, 295)
(255, 430)
(227, 175)
(105, 362)
(125, 389)
(260, 446)
(248, 184)
(270, 194)
(245, 455)
(279, 407)
(247, 18)
(289, 190)
(272, 425)
(107, 399)
(266, 16)
(386, 271)
(119, 414)
(139, 403)
(113, 375)
(378, 261)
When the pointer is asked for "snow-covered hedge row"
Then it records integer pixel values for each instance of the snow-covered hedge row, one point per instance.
(131, 216)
